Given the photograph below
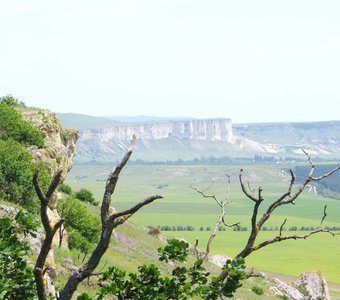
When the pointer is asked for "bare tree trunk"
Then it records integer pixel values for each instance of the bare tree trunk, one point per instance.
(109, 222)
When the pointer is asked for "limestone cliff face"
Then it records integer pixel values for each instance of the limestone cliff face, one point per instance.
(58, 153)
(205, 129)
(58, 140)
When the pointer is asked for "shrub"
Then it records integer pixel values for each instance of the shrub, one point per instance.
(12, 126)
(257, 290)
(83, 228)
(11, 101)
(66, 189)
(16, 173)
(86, 196)
(16, 275)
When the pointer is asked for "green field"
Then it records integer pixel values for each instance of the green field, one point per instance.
(183, 206)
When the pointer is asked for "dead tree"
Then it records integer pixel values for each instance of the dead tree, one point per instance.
(287, 198)
(220, 220)
(109, 221)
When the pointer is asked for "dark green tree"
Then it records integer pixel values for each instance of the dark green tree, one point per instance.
(86, 196)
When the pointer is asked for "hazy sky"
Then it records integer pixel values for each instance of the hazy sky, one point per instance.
(250, 60)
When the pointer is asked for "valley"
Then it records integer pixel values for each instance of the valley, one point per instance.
(182, 206)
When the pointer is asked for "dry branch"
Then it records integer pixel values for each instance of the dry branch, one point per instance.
(109, 222)
(284, 199)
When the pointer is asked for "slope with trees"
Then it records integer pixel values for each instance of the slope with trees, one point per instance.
(184, 282)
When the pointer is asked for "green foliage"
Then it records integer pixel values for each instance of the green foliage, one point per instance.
(86, 196)
(11, 101)
(257, 290)
(83, 228)
(175, 250)
(12, 126)
(235, 269)
(66, 189)
(184, 283)
(16, 173)
(16, 276)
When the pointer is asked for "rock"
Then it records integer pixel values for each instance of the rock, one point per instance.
(6, 210)
(282, 289)
(313, 285)
(287, 290)
(156, 232)
(218, 260)
(57, 153)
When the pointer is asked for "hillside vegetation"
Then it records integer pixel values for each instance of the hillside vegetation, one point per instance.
(41, 147)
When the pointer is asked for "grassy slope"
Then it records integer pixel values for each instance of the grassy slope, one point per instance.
(183, 206)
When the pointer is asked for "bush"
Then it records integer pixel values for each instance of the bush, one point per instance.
(66, 189)
(11, 101)
(86, 196)
(83, 228)
(16, 275)
(16, 173)
(77, 241)
(185, 283)
(257, 290)
(12, 126)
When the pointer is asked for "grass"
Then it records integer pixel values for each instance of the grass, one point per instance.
(183, 206)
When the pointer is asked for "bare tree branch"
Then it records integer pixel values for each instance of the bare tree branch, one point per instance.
(129, 212)
(220, 219)
(57, 179)
(38, 190)
(112, 182)
(284, 199)
(281, 227)
(205, 195)
(109, 222)
(325, 175)
(324, 214)
(293, 237)
(251, 197)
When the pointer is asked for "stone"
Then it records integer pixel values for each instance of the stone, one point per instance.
(314, 285)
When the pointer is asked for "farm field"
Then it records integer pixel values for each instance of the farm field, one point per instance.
(183, 206)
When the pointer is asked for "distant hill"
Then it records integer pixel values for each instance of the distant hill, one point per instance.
(80, 122)
(161, 139)
(144, 119)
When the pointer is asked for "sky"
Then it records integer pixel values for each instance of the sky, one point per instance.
(251, 61)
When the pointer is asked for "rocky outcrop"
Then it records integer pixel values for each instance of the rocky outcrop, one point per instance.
(309, 286)
(195, 138)
(313, 285)
(57, 154)
(205, 129)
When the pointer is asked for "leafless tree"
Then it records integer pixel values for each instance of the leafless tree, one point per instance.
(289, 197)
(220, 220)
(109, 221)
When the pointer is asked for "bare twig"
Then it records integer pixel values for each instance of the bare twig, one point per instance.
(251, 197)
(205, 195)
(196, 250)
(293, 237)
(281, 227)
(324, 214)
(250, 188)
(124, 215)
